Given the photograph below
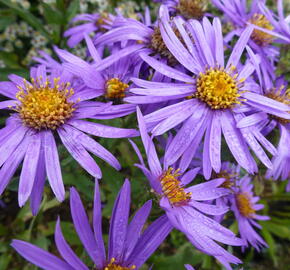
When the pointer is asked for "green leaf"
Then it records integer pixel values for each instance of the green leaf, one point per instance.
(277, 229)
(28, 17)
(4, 261)
(4, 72)
(72, 9)
(272, 246)
(52, 16)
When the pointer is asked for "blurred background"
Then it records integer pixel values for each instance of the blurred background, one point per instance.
(29, 26)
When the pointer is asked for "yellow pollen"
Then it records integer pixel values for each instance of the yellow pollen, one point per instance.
(115, 89)
(102, 21)
(172, 188)
(113, 266)
(218, 88)
(158, 46)
(192, 9)
(43, 105)
(244, 204)
(261, 38)
(229, 178)
(281, 97)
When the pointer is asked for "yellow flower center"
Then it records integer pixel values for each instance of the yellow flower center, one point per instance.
(218, 88)
(284, 98)
(43, 106)
(172, 188)
(260, 37)
(229, 178)
(190, 9)
(115, 89)
(102, 21)
(244, 204)
(113, 266)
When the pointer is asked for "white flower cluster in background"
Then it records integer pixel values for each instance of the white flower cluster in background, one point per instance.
(23, 3)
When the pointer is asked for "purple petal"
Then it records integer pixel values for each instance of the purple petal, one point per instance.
(52, 165)
(189, 176)
(186, 134)
(252, 120)
(65, 250)
(135, 227)
(38, 186)
(7, 104)
(83, 228)
(79, 153)
(39, 257)
(94, 147)
(208, 190)
(152, 157)
(97, 222)
(166, 70)
(151, 239)
(102, 130)
(10, 143)
(119, 223)
(215, 143)
(239, 47)
(169, 111)
(173, 120)
(11, 164)
(236, 143)
(29, 169)
(8, 89)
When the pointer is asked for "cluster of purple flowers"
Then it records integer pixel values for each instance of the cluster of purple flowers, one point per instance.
(193, 89)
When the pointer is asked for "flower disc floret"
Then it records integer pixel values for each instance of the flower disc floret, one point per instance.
(172, 188)
(45, 106)
(260, 37)
(218, 88)
(115, 89)
(158, 46)
(229, 178)
(113, 266)
(284, 98)
(190, 9)
(244, 204)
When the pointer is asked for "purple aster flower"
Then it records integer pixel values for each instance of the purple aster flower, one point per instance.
(275, 89)
(108, 78)
(280, 22)
(44, 107)
(187, 207)
(93, 23)
(239, 14)
(210, 102)
(188, 9)
(148, 35)
(244, 205)
(128, 247)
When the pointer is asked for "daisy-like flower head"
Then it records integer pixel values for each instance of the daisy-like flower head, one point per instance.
(98, 22)
(128, 247)
(188, 9)
(187, 207)
(280, 22)
(240, 15)
(107, 78)
(244, 205)
(275, 89)
(211, 101)
(145, 33)
(47, 106)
